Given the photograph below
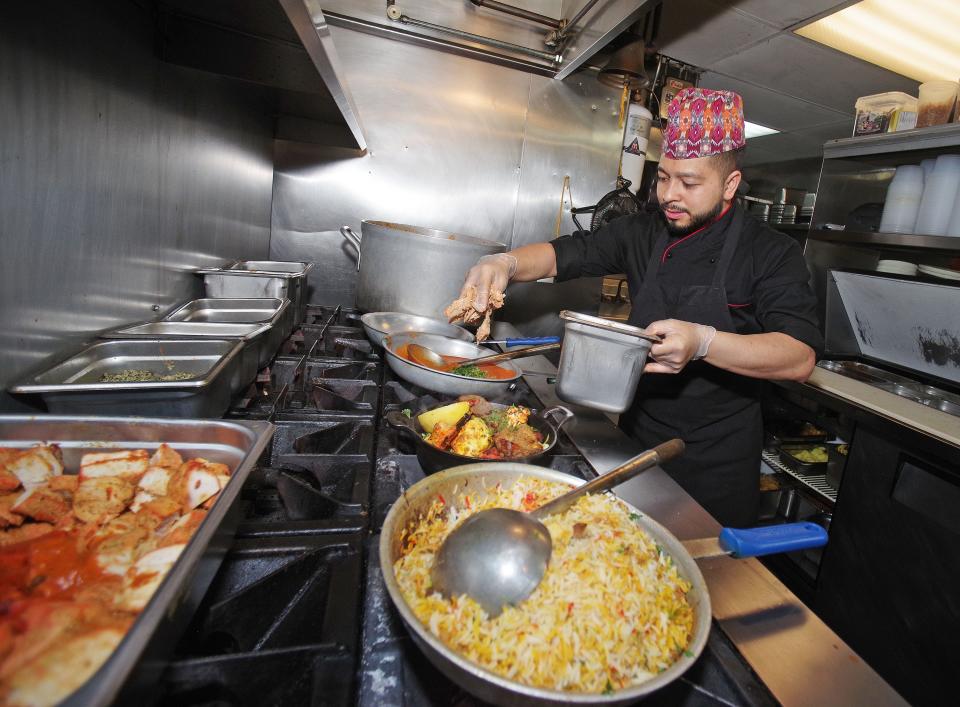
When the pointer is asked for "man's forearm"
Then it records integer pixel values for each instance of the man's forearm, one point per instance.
(772, 356)
(534, 261)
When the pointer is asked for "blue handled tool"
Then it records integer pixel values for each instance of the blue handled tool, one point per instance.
(526, 342)
(756, 542)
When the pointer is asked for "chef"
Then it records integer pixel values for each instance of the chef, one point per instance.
(729, 295)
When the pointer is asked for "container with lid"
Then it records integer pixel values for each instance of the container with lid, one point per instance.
(885, 113)
(601, 361)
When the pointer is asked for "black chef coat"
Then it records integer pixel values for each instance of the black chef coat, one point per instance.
(764, 288)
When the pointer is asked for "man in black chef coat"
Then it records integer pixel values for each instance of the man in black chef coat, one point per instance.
(729, 295)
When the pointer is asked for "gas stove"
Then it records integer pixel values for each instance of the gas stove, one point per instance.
(298, 613)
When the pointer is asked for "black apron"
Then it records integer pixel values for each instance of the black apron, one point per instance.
(715, 412)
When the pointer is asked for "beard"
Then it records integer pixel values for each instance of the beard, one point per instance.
(696, 220)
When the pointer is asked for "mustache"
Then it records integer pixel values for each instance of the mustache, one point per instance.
(669, 207)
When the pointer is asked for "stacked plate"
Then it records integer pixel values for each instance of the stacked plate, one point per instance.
(897, 267)
(942, 273)
(783, 213)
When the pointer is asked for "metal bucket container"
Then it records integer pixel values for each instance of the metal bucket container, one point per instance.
(601, 362)
(410, 269)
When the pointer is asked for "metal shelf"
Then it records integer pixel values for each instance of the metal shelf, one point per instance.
(818, 484)
(939, 136)
(897, 240)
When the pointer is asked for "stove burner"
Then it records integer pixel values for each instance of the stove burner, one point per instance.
(277, 626)
(326, 437)
(333, 396)
(321, 314)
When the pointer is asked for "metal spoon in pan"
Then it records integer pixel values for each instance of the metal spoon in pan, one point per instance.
(431, 359)
(498, 556)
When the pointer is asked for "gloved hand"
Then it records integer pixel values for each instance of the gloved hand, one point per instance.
(492, 272)
(682, 342)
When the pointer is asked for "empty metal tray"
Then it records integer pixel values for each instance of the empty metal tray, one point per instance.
(73, 385)
(264, 310)
(260, 278)
(131, 670)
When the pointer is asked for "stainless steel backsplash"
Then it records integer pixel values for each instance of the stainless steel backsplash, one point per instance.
(455, 144)
(118, 174)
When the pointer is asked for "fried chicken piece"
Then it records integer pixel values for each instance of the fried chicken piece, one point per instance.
(479, 405)
(129, 464)
(181, 531)
(196, 481)
(65, 483)
(24, 532)
(8, 480)
(59, 671)
(461, 310)
(442, 435)
(143, 578)
(36, 465)
(7, 516)
(102, 497)
(42, 503)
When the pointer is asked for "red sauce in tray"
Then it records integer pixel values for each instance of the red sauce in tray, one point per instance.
(50, 566)
(491, 370)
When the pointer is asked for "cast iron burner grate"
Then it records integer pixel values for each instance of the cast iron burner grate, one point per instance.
(282, 370)
(321, 314)
(331, 396)
(313, 494)
(333, 438)
(258, 402)
(279, 625)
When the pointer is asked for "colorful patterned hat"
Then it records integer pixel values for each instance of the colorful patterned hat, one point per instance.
(702, 122)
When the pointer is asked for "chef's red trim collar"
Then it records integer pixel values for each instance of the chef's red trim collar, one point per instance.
(663, 258)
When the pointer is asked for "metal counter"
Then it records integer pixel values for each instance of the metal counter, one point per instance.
(799, 658)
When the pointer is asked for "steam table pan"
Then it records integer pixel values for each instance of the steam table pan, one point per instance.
(265, 310)
(74, 386)
(130, 674)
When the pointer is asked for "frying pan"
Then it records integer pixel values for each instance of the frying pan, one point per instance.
(433, 459)
(479, 681)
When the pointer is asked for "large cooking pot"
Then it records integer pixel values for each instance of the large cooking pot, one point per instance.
(411, 269)
(433, 459)
(484, 683)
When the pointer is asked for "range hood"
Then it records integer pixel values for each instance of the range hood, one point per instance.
(283, 45)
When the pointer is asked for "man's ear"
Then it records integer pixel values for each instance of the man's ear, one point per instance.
(731, 184)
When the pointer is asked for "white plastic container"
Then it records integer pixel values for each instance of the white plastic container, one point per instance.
(902, 204)
(939, 195)
(885, 113)
(600, 362)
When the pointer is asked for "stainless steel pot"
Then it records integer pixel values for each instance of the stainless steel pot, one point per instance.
(479, 681)
(411, 269)
(380, 325)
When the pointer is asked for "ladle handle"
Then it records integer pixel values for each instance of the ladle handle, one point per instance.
(508, 355)
(661, 453)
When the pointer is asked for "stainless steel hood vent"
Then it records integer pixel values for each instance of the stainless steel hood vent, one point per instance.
(284, 45)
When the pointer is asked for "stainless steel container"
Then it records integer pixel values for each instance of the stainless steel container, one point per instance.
(411, 269)
(275, 311)
(479, 681)
(260, 278)
(600, 362)
(135, 665)
(379, 325)
(440, 381)
(255, 337)
(73, 385)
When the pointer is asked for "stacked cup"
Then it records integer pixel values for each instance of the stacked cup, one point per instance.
(903, 200)
(939, 195)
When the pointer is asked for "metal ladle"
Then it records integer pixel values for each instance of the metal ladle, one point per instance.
(431, 359)
(498, 556)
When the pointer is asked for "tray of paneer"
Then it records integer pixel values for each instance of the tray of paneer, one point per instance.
(111, 530)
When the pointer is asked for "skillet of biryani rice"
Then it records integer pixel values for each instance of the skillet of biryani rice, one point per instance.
(611, 612)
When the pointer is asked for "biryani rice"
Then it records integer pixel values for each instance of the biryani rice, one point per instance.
(611, 611)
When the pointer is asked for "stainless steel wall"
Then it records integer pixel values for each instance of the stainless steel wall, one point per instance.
(455, 144)
(117, 174)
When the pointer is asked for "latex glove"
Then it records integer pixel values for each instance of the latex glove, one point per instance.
(682, 342)
(492, 272)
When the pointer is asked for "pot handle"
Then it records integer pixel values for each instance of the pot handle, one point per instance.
(756, 542)
(400, 422)
(353, 239)
(558, 415)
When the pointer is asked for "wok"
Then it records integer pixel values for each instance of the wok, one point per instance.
(488, 685)
(379, 325)
(433, 459)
